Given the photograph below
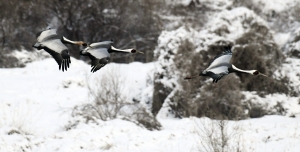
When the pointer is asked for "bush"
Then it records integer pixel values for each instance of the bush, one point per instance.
(109, 103)
(219, 136)
(257, 111)
(250, 54)
(197, 98)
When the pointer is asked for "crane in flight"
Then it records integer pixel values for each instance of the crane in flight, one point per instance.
(99, 53)
(53, 43)
(221, 66)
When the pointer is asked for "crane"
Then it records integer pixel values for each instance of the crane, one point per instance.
(99, 53)
(53, 43)
(221, 66)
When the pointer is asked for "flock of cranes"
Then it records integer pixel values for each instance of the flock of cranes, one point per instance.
(54, 44)
(99, 53)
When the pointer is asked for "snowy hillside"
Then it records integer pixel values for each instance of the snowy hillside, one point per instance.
(270, 52)
(37, 102)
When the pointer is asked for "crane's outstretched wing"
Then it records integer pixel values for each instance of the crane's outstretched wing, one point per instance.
(62, 59)
(43, 35)
(223, 68)
(58, 51)
(51, 43)
(220, 59)
(104, 44)
(54, 44)
(98, 64)
(99, 56)
(216, 77)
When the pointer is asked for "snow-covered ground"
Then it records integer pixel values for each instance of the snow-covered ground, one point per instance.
(36, 104)
(37, 101)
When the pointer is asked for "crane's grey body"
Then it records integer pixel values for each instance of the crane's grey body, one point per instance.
(53, 44)
(220, 66)
(98, 53)
(100, 49)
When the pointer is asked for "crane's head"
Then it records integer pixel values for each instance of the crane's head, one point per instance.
(135, 51)
(81, 43)
(255, 72)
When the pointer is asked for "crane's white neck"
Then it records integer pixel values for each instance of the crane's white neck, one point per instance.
(69, 41)
(125, 50)
(243, 71)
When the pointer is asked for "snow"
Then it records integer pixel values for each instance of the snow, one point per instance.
(275, 103)
(281, 38)
(237, 21)
(290, 69)
(275, 5)
(36, 104)
(216, 4)
(37, 101)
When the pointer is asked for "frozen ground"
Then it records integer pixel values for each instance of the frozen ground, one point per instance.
(36, 103)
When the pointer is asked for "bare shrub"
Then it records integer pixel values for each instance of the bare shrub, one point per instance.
(20, 119)
(140, 116)
(108, 97)
(109, 102)
(219, 136)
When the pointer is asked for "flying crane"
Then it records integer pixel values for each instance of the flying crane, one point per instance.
(221, 66)
(99, 53)
(53, 43)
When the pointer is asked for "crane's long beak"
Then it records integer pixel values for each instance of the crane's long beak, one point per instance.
(262, 74)
(140, 52)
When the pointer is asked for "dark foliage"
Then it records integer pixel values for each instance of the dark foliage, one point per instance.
(130, 24)
(197, 98)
